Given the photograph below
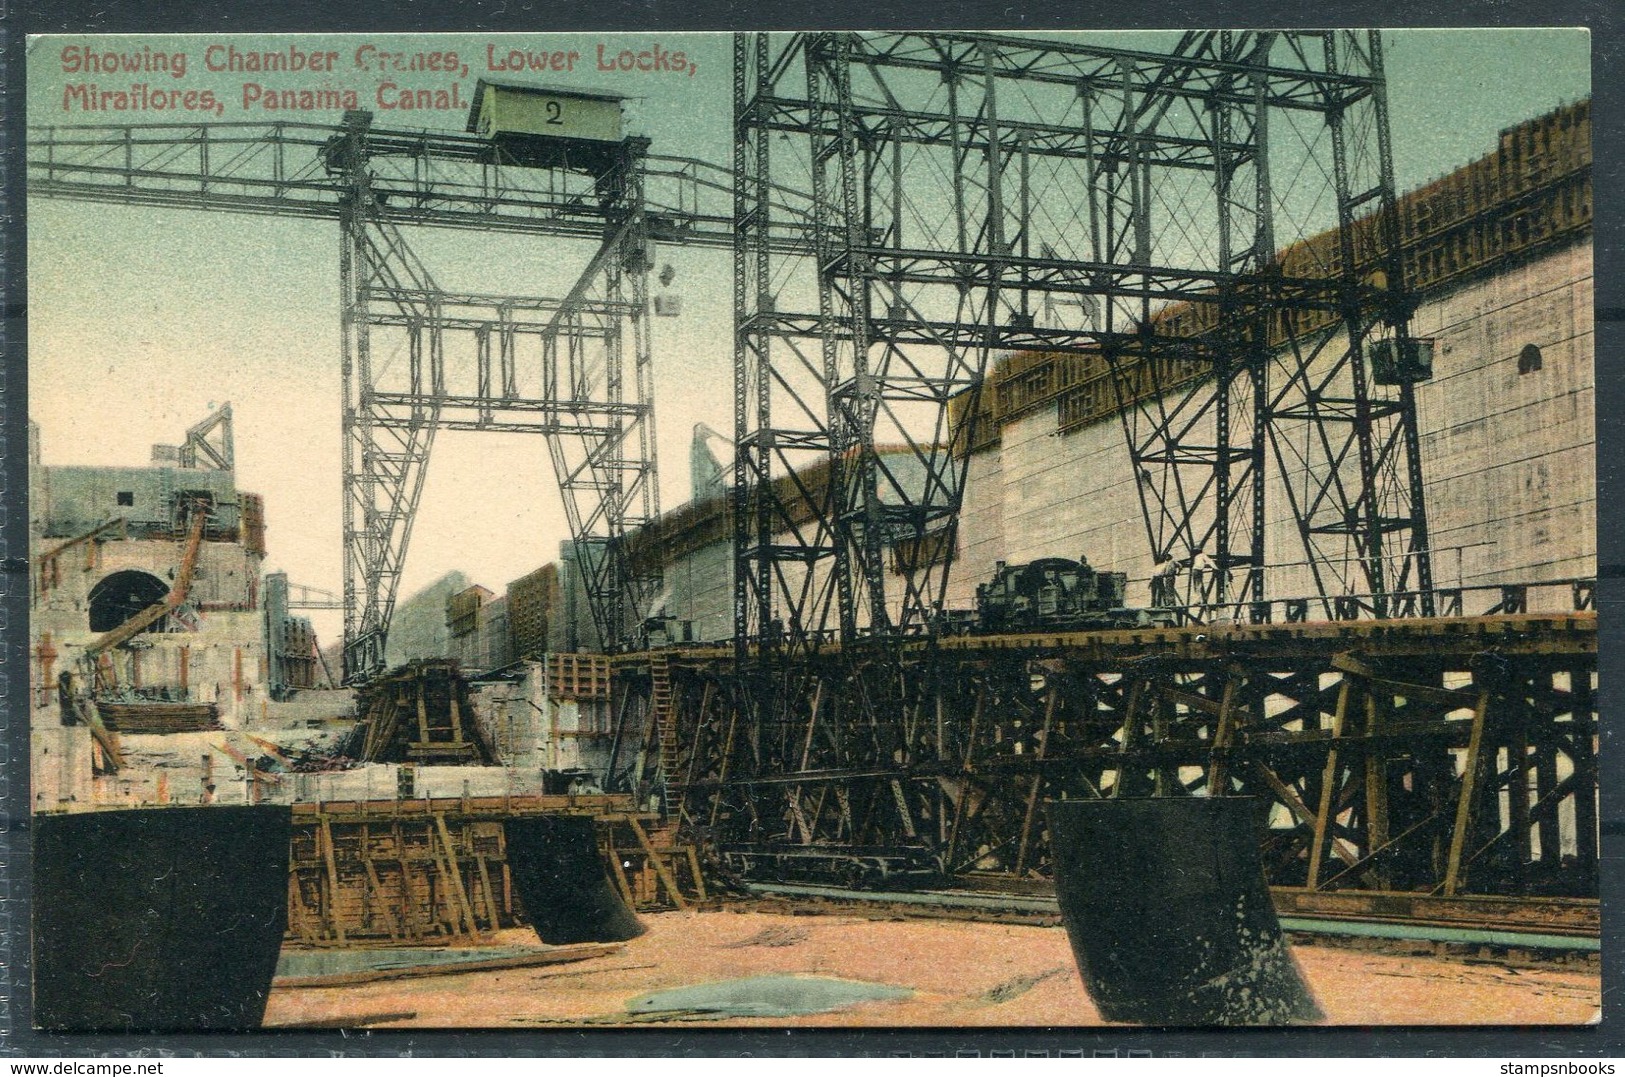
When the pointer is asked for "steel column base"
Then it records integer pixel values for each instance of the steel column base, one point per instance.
(1169, 917)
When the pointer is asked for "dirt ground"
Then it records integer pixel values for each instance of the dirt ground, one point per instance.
(962, 974)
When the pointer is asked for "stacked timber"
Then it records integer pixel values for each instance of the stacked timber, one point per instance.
(157, 716)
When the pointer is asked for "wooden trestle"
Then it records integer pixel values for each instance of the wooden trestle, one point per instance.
(1447, 757)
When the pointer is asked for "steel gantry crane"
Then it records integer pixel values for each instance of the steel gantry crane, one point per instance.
(574, 369)
(904, 207)
(968, 186)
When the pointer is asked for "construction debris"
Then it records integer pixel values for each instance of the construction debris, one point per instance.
(442, 963)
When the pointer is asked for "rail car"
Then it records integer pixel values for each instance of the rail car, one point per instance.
(856, 867)
(1057, 593)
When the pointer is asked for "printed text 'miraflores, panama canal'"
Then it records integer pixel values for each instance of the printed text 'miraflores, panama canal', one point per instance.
(369, 75)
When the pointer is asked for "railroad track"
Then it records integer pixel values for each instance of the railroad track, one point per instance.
(1550, 931)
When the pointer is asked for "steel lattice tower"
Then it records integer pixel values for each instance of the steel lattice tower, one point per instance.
(976, 195)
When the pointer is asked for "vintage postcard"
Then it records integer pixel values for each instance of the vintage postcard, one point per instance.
(842, 529)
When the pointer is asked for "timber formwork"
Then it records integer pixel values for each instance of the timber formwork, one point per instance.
(419, 713)
(435, 870)
(1402, 761)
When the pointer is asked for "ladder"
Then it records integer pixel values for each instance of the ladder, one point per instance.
(664, 716)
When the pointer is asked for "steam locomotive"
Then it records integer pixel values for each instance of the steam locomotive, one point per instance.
(1057, 593)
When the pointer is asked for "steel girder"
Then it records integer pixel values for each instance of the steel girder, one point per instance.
(595, 406)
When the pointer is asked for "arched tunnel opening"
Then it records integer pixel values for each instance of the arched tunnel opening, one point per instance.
(121, 596)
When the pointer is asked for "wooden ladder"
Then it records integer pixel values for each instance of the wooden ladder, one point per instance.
(665, 722)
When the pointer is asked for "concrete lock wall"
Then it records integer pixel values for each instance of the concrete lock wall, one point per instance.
(220, 659)
(1509, 458)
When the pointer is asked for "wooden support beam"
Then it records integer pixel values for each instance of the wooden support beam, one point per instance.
(799, 818)
(727, 758)
(1449, 697)
(1218, 770)
(1546, 780)
(959, 818)
(618, 873)
(1165, 778)
(1052, 700)
(456, 712)
(507, 874)
(796, 811)
(707, 701)
(1582, 755)
(455, 871)
(551, 956)
(334, 920)
(106, 739)
(901, 800)
(646, 742)
(411, 922)
(975, 726)
(491, 913)
(1519, 771)
(660, 868)
(1376, 779)
(377, 885)
(298, 919)
(1295, 804)
(1467, 798)
(1189, 699)
(1131, 736)
(843, 800)
(694, 867)
(424, 735)
(1328, 784)
(1355, 867)
(967, 768)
